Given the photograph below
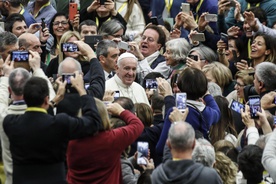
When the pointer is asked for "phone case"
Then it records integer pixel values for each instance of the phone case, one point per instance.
(198, 37)
(185, 7)
(123, 45)
(73, 9)
(211, 17)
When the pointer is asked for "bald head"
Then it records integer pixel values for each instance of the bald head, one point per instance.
(28, 41)
(69, 65)
(181, 136)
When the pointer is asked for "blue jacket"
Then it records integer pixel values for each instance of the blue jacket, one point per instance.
(211, 115)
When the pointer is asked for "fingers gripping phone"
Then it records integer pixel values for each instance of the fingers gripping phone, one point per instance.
(255, 106)
(143, 151)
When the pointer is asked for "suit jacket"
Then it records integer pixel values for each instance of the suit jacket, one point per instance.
(38, 141)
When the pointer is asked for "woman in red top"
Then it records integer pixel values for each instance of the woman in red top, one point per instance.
(96, 159)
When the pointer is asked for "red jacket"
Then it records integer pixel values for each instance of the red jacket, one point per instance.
(96, 159)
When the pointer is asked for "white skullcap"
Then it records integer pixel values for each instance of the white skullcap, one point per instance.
(126, 55)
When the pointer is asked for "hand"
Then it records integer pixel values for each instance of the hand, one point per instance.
(76, 22)
(109, 4)
(33, 28)
(115, 109)
(242, 65)
(189, 21)
(237, 12)
(267, 101)
(94, 5)
(8, 66)
(61, 90)
(134, 49)
(192, 32)
(179, 20)
(246, 118)
(77, 83)
(192, 63)
(34, 60)
(44, 35)
(249, 17)
(149, 166)
(108, 96)
(85, 50)
(221, 45)
(202, 23)
(223, 6)
(233, 31)
(164, 88)
(176, 115)
(175, 33)
(149, 93)
(262, 118)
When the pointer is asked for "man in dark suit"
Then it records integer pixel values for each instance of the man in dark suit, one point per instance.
(38, 140)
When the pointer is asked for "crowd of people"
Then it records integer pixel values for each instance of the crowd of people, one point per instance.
(138, 91)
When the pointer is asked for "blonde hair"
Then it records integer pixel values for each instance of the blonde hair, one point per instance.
(220, 73)
(244, 76)
(130, 5)
(103, 113)
(65, 37)
(225, 168)
(223, 143)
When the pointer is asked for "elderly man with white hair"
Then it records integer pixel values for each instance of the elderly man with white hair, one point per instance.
(123, 81)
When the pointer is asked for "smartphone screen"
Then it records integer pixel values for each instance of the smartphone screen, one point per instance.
(116, 94)
(86, 85)
(236, 106)
(69, 47)
(143, 150)
(274, 119)
(255, 106)
(20, 56)
(151, 84)
(66, 77)
(180, 101)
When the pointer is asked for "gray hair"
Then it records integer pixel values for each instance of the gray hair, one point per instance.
(102, 47)
(110, 27)
(205, 53)
(77, 66)
(6, 39)
(266, 73)
(181, 136)
(17, 80)
(204, 153)
(179, 48)
(214, 89)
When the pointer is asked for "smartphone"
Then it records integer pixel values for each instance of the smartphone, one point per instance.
(102, 2)
(123, 45)
(92, 40)
(224, 38)
(69, 47)
(180, 101)
(21, 59)
(116, 94)
(274, 120)
(154, 20)
(185, 7)
(255, 106)
(211, 17)
(198, 37)
(235, 58)
(43, 24)
(236, 106)
(73, 10)
(143, 150)
(151, 84)
(66, 77)
(194, 57)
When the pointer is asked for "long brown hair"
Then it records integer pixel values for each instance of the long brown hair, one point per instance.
(225, 124)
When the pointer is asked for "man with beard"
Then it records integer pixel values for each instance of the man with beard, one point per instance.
(8, 7)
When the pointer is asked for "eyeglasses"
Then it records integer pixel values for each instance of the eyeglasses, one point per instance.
(63, 23)
(238, 84)
(150, 39)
